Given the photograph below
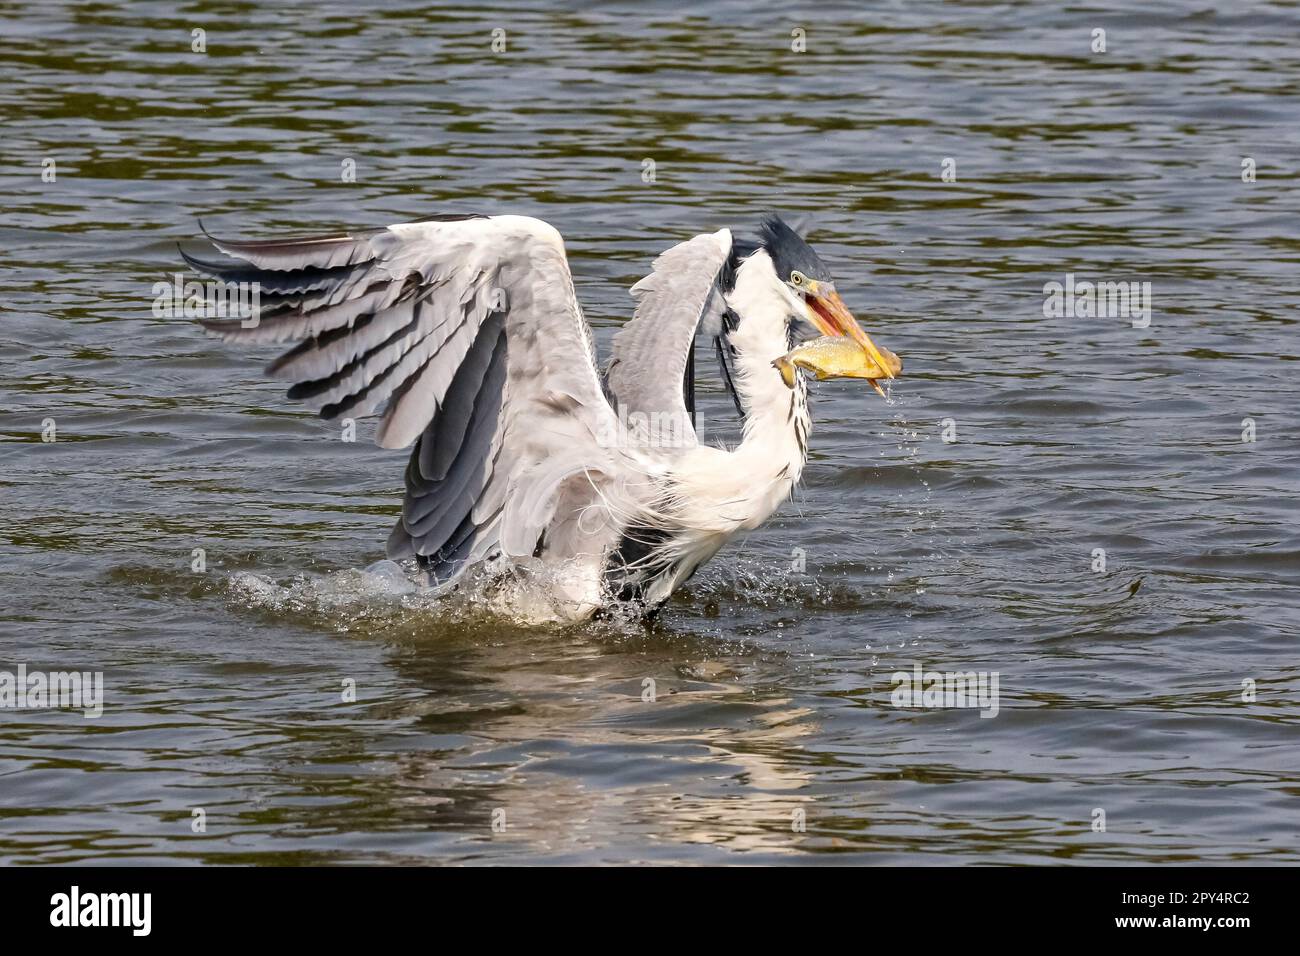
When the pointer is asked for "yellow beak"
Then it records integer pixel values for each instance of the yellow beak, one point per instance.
(828, 312)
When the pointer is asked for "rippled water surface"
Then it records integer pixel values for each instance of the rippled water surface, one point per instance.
(1121, 689)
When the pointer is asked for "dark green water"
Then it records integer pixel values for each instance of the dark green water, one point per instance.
(1120, 690)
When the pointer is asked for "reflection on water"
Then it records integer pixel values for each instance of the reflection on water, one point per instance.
(317, 714)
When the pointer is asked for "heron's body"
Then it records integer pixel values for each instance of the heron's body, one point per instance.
(526, 460)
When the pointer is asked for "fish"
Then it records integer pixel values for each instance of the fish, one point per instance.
(837, 356)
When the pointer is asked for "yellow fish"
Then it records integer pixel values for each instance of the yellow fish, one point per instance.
(835, 356)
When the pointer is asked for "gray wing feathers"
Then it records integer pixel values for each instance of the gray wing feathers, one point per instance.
(454, 458)
(317, 252)
(564, 424)
(471, 334)
(650, 353)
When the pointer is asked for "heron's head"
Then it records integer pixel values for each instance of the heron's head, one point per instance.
(813, 301)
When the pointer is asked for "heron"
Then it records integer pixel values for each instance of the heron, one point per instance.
(465, 335)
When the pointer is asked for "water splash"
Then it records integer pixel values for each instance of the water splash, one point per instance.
(525, 593)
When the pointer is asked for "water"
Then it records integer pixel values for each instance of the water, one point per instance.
(1120, 690)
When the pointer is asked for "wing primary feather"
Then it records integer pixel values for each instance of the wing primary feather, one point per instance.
(688, 383)
(725, 364)
(458, 406)
(306, 279)
(279, 255)
(433, 507)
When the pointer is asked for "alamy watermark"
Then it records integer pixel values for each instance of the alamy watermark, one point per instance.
(938, 689)
(647, 429)
(75, 908)
(189, 299)
(1099, 300)
(44, 690)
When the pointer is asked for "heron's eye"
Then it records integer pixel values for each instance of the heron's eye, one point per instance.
(797, 279)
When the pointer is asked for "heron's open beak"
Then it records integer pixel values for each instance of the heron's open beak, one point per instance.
(828, 312)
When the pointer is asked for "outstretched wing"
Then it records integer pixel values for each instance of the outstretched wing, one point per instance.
(468, 333)
(651, 374)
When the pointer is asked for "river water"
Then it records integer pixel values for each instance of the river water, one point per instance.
(1100, 509)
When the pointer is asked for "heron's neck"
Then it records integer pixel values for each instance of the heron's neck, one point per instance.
(776, 416)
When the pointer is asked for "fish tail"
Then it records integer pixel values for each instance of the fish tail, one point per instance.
(786, 368)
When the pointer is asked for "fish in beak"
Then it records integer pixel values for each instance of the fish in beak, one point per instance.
(827, 311)
(835, 356)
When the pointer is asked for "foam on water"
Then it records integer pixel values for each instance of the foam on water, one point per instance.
(526, 593)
